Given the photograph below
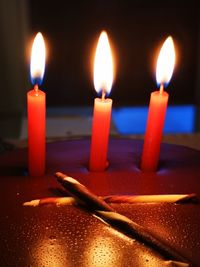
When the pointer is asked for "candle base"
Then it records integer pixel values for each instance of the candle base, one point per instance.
(98, 168)
(100, 134)
(36, 107)
(149, 167)
(154, 130)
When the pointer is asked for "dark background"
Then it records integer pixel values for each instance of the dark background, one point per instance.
(136, 29)
(71, 29)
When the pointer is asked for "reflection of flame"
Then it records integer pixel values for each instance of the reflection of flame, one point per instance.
(103, 65)
(102, 252)
(145, 258)
(50, 253)
(165, 62)
(37, 65)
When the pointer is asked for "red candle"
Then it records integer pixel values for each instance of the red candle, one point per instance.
(103, 78)
(36, 102)
(157, 108)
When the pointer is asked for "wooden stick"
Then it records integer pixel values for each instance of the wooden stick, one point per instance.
(82, 193)
(123, 224)
(126, 199)
(169, 198)
(58, 201)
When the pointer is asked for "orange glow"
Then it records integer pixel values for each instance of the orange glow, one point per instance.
(37, 65)
(165, 62)
(49, 252)
(103, 252)
(103, 65)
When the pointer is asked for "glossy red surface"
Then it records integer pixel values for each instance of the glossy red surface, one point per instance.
(68, 236)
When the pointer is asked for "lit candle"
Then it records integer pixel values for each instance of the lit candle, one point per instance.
(103, 78)
(36, 102)
(157, 107)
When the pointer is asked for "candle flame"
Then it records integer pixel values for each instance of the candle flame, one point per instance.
(37, 65)
(165, 62)
(103, 65)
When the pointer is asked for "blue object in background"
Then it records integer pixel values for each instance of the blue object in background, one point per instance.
(132, 120)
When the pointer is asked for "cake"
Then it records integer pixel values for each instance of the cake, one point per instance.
(67, 235)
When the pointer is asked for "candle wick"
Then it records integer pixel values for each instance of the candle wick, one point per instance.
(36, 89)
(161, 88)
(103, 95)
